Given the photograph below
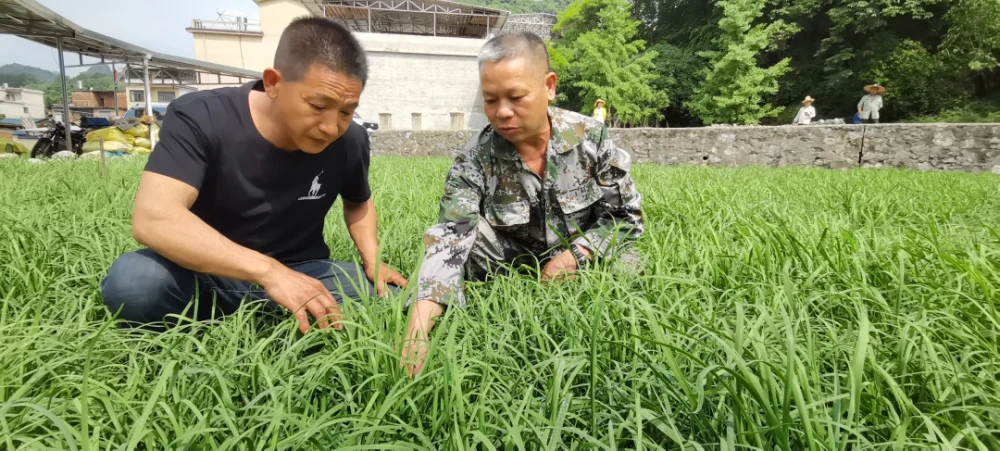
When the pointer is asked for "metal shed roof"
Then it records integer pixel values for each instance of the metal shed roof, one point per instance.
(30, 20)
(426, 17)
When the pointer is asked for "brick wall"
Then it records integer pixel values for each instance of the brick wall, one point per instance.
(84, 99)
(98, 99)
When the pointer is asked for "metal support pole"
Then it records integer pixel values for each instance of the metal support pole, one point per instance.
(369, 18)
(145, 85)
(114, 87)
(435, 23)
(149, 101)
(487, 34)
(65, 97)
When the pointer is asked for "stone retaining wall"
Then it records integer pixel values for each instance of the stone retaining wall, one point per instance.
(966, 147)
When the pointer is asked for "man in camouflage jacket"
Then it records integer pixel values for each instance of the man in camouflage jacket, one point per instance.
(538, 182)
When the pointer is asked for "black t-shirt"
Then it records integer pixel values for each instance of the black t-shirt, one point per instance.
(264, 198)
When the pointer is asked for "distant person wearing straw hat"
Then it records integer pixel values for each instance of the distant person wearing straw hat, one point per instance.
(599, 112)
(806, 112)
(871, 103)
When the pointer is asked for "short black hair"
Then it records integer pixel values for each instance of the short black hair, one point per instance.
(318, 40)
(522, 44)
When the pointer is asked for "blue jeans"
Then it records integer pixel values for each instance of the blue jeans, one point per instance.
(146, 289)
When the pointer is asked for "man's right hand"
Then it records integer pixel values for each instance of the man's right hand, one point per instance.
(300, 293)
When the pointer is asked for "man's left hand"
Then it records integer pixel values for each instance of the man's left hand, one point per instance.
(562, 266)
(386, 275)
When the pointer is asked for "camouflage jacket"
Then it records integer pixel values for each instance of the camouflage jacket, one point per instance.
(587, 197)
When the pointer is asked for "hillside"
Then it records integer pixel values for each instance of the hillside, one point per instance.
(20, 76)
(19, 69)
(97, 70)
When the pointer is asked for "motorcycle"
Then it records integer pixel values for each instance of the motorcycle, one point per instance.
(54, 140)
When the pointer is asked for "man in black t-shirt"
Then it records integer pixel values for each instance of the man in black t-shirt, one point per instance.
(233, 200)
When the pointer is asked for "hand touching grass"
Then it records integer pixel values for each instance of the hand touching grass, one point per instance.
(422, 316)
(562, 267)
(303, 296)
(386, 275)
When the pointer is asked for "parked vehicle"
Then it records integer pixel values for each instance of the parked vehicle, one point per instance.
(54, 140)
(368, 125)
(159, 111)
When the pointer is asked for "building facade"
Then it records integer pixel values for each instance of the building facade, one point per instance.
(17, 102)
(135, 94)
(421, 54)
(98, 103)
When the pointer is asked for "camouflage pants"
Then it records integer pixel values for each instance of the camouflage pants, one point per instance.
(495, 253)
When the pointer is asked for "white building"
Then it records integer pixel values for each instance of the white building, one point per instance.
(421, 53)
(17, 102)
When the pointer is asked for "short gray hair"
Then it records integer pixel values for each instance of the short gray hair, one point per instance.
(514, 45)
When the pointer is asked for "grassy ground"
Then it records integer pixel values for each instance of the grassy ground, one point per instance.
(780, 309)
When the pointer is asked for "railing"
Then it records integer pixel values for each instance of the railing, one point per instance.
(240, 25)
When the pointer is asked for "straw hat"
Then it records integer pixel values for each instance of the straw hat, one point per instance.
(598, 101)
(881, 89)
(809, 99)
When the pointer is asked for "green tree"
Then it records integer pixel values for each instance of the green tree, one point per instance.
(677, 70)
(523, 6)
(96, 82)
(575, 20)
(53, 90)
(690, 24)
(580, 17)
(974, 35)
(735, 89)
(918, 82)
(560, 65)
(18, 80)
(607, 61)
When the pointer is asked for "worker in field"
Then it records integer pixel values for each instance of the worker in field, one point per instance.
(599, 112)
(232, 203)
(538, 184)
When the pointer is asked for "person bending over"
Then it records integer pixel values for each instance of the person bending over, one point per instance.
(232, 203)
(534, 178)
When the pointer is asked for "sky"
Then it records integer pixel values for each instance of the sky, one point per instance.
(159, 28)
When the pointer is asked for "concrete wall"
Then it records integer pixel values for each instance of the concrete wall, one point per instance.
(814, 146)
(247, 51)
(432, 76)
(154, 91)
(35, 101)
(966, 147)
(423, 143)
(20, 99)
(234, 50)
(275, 15)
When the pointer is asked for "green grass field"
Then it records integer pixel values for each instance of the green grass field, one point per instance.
(780, 309)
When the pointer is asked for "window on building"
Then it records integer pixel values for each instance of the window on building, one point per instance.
(165, 96)
(25, 110)
(138, 96)
(10, 97)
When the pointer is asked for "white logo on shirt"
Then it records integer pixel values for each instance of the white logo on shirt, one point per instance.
(314, 189)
